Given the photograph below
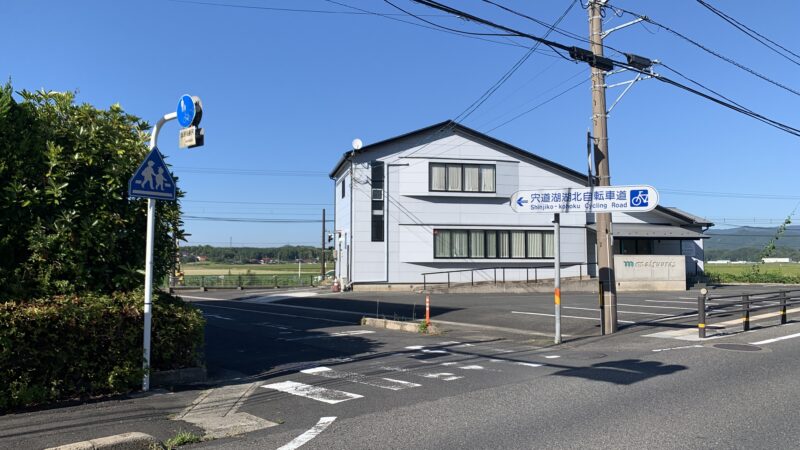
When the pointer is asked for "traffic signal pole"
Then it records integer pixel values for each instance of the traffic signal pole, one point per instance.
(605, 241)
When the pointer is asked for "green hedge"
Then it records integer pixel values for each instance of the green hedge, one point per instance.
(80, 346)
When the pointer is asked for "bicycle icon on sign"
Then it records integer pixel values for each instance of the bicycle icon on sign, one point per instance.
(640, 198)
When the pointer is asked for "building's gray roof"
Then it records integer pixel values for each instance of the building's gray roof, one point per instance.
(649, 231)
(697, 220)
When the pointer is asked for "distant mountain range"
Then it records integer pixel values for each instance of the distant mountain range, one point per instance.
(751, 237)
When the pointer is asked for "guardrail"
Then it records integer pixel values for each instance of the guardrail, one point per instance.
(536, 271)
(243, 281)
(745, 304)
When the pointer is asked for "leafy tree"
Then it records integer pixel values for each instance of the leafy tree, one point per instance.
(66, 223)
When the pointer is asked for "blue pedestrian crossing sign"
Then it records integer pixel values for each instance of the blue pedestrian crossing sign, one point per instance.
(152, 179)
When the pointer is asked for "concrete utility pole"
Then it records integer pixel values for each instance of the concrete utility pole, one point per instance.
(605, 250)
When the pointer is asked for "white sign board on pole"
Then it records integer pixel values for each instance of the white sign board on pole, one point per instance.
(599, 199)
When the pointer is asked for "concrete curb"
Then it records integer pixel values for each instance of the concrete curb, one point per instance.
(124, 441)
(411, 327)
(177, 377)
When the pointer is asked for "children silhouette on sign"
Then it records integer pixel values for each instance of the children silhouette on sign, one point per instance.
(147, 174)
(160, 179)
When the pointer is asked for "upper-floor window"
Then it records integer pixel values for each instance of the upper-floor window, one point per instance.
(446, 177)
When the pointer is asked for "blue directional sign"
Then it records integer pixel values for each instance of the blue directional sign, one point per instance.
(186, 111)
(152, 179)
(599, 199)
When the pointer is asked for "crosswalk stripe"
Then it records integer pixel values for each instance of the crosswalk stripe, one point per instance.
(330, 396)
(383, 383)
(444, 376)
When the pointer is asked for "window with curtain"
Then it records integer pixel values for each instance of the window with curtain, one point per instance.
(476, 244)
(487, 178)
(534, 244)
(517, 244)
(461, 177)
(454, 177)
(472, 176)
(438, 177)
(491, 244)
(503, 241)
(549, 245)
(441, 244)
(460, 244)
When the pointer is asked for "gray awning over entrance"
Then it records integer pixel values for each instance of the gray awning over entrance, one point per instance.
(648, 231)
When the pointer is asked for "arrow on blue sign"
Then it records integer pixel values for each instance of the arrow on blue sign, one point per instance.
(152, 179)
(521, 201)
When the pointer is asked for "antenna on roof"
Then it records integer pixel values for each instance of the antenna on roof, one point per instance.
(357, 144)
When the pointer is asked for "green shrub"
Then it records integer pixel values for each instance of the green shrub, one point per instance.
(751, 276)
(79, 346)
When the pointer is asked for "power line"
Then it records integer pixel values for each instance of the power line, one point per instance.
(253, 172)
(708, 50)
(541, 104)
(489, 92)
(251, 219)
(295, 10)
(232, 202)
(752, 33)
(739, 195)
(588, 56)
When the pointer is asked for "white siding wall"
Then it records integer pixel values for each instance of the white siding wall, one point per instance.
(413, 212)
(342, 225)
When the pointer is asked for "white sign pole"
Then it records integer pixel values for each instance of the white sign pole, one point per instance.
(148, 289)
(557, 275)
(148, 265)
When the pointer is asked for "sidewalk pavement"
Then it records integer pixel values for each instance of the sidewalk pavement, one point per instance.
(60, 425)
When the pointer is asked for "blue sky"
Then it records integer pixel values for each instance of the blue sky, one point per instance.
(285, 93)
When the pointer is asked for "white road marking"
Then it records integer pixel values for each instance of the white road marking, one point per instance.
(677, 348)
(528, 364)
(323, 423)
(770, 341)
(673, 301)
(309, 308)
(216, 412)
(552, 356)
(569, 317)
(383, 383)
(198, 298)
(217, 316)
(415, 347)
(444, 376)
(659, 307)
(440, 352)
(471, 367)
(332, 335)
(690, 334)
(330, 396)
(619, 311)
(255, 311)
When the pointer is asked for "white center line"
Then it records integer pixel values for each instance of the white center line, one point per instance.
(619, 311)
(310, 434)
(660, 307)
(770, 341)
(570, 317)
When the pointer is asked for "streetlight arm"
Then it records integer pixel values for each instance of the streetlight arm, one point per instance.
(157, 128)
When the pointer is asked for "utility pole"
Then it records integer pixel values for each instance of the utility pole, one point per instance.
(605, 250)
(322, 260)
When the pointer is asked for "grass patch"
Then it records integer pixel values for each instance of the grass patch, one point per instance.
(206, 268)
(182, 438)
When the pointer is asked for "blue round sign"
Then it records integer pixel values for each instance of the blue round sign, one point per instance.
(186, 111)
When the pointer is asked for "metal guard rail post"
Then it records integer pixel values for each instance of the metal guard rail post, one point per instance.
(748, 305)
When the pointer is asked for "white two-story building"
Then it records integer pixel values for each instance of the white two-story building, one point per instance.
(437, 200)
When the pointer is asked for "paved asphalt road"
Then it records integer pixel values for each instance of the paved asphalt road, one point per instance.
(307, 365)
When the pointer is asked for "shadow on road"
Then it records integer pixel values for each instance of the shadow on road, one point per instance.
(623, 372)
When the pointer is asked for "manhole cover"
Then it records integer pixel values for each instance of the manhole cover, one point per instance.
(738, 347)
